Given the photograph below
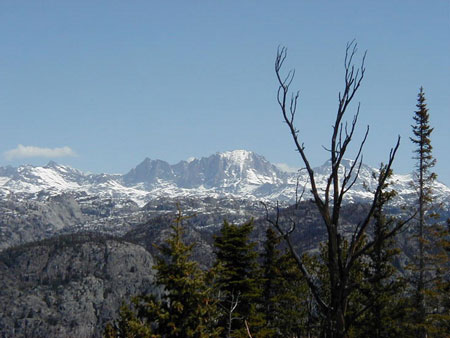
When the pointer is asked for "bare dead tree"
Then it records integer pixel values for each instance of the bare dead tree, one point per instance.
(234, 302)
(340, 261)
(249, 334)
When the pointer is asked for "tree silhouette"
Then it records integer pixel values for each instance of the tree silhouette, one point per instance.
(340, 260)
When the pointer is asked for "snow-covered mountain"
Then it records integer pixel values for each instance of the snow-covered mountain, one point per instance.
(39, 202)
(239, 174)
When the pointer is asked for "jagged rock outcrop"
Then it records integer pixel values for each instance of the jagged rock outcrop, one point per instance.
(30, 220)
(69, 286)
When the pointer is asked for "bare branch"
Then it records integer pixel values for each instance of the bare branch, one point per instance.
(283, 92)
(297, 197)
(357, 161)
(248, 329)
(384, 174)
(286, 235)
(340, 259)
(388, 235)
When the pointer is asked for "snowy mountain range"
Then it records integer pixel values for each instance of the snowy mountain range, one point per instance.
(237, 174)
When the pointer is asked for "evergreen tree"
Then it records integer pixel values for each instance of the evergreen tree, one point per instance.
(285, 293)
(296, 315)
(271, 276)
(186, 308)
(238, 281)
(442, 284)
(423, 183)
(129, 326)
(384, 287)
(437, 294)
(431, 260)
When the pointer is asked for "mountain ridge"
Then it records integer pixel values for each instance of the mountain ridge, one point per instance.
(238, 173)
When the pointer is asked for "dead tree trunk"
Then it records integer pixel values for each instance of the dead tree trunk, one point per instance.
(340, 261)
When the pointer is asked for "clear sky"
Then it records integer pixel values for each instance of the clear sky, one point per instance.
(100, 85)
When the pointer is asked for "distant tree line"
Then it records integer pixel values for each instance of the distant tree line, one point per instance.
(350, 287)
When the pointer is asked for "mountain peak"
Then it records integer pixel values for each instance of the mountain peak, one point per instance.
(345, 162)
(52, 164)
(237, 155)
(149, 171)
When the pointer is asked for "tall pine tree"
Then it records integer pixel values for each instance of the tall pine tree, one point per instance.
(187, 307)
(285, 297)
(238, 281)
(428, 261)
(271, 277)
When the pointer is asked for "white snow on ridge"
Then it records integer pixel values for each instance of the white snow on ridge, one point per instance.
(257, 180)
(4, 180)
(190, 159)
(50, 178)
(238, 156)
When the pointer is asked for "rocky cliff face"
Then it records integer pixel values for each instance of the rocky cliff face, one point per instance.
(69, 286)
(24, 221)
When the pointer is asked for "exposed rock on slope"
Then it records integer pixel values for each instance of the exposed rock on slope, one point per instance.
(69, 286)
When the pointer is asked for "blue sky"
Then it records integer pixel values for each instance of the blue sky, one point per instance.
(100, 85)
